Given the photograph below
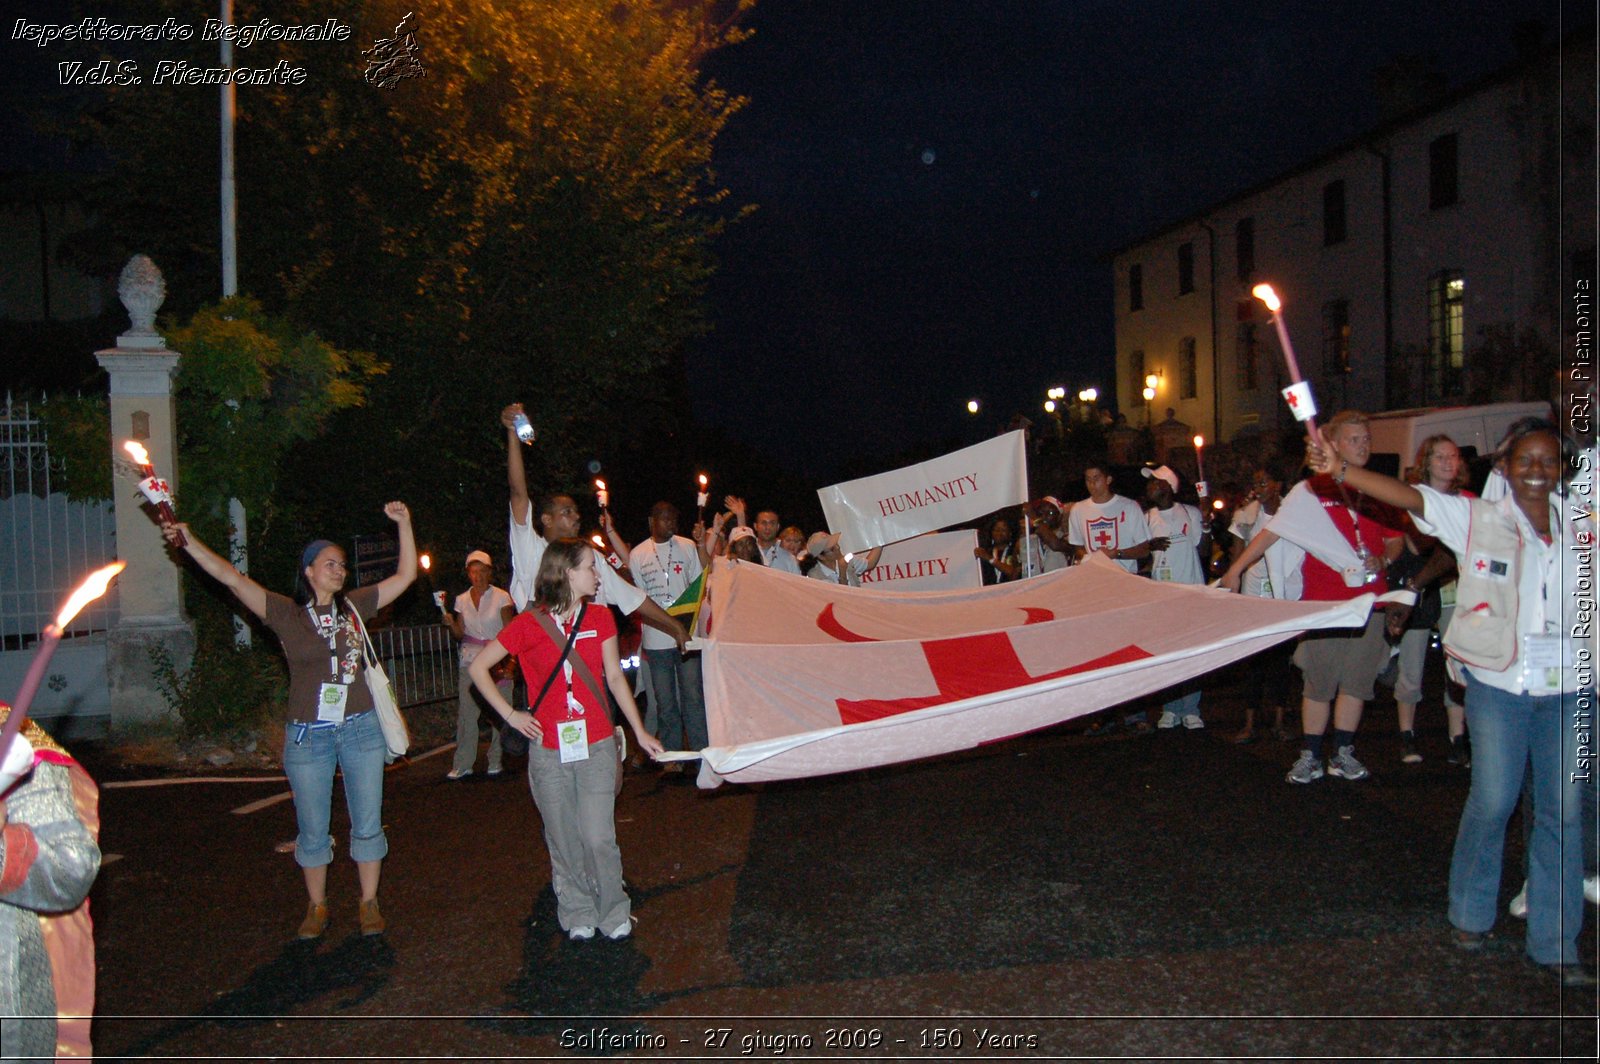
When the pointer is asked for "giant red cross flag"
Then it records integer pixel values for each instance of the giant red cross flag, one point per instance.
(805, 678)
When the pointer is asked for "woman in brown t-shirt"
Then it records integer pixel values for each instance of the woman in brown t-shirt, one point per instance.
(330, 720)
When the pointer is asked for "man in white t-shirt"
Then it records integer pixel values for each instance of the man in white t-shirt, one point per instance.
(559, 519)
(1178, 540)
(1107, 523)
(480, 612)
(1114, 526)
(664, 566)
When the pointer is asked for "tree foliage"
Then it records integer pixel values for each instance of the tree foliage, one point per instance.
(529, 221)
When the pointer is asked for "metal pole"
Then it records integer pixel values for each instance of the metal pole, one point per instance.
(238, 540)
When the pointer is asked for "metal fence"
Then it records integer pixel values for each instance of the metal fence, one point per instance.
(48, 542)
(421, 662)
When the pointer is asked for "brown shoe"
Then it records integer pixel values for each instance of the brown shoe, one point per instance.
(316, 920)
(372, 922)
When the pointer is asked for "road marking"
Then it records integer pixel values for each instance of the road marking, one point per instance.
(264, 803)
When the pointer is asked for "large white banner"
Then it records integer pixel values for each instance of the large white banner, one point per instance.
(960, 486)
(803, 677)
(933, 562)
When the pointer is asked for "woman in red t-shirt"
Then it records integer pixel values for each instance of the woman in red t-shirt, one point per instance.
(572, 756)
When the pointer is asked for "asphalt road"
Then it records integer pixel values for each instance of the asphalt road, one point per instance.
(1051, 896)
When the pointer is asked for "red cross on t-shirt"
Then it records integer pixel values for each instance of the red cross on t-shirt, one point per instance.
(1479, 565)
(1102, 539)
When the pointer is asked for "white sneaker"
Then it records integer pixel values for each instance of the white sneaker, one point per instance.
(458, 774)
(1518, 906)
(581, 932)
(1168, 719)
(1193, 722)
(622, 931)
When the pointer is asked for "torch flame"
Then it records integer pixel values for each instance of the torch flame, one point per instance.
(92, 588)
(599, 483)
(137, 452)
(1199, 442)
(426, 561)
(702, 480)
(1265, 293)
(598, 542)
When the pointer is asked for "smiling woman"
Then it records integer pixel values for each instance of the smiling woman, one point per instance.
(331, 724)
(1510, 643)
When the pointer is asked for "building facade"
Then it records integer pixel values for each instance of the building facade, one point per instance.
(1426, 262)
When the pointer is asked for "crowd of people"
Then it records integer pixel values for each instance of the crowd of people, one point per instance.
(1492, 577)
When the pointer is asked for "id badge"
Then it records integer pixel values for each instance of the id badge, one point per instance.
(1266, 588)
(1163, 573)
(572, 738)
(1544, 659)
(331, 700)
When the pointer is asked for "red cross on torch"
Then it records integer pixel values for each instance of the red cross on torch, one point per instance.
(1267, 295)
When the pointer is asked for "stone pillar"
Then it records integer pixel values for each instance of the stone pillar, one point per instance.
(148, 591)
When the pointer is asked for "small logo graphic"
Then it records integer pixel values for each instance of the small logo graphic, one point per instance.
(57, 682)
(391, 60)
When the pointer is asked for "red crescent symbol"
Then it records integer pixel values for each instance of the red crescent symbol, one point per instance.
(832, 626)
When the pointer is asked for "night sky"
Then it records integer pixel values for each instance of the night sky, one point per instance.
(939, 187)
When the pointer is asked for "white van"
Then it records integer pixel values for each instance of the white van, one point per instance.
(1477, 430)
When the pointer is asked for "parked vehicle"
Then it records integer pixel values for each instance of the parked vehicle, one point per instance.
(1396, 434)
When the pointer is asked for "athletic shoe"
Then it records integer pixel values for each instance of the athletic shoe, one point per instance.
(621, 931)
(581, 933)
(316, 920)
(1408, 749)
(1193, 722)
(1518, 906)
(458, 774)
(1460, 752)
(492, 773)
(1168, 719)
(1470, 941)
(1306, 770)
(1345, 766)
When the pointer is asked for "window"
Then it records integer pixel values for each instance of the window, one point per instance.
(1136, 376)
(1336, 338)
(1442, 172)
(1447, 355)
(1333, 231)
(1185, 268)
(1188, 372)
(1248, 351)
(1244, 249)
(1136, 287)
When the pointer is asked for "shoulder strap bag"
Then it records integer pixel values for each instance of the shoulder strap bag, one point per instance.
(396, 736)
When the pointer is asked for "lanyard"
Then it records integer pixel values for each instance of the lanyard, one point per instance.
(574, 707)
(328, 628)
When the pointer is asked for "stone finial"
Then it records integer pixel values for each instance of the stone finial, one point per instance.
(142, 290)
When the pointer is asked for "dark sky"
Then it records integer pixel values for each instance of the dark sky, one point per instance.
(939, 185)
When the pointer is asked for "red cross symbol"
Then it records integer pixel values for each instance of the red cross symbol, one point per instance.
(970, 666)
(1103, 539)
(677, 568)
(1479, 565)
(1293, 400)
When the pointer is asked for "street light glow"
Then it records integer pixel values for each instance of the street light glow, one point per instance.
(1057, 392)
(1149, 393)
(1088, 395)
(1049, 406)
(972, 406)
(1150, 382)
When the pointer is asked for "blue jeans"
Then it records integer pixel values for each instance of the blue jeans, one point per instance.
(680, 700)
(1508, 732)
(355, 747)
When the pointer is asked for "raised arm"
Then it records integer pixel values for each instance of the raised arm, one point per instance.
(390, 588)
(251, 594)
(516, 475)
(1321, 459)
